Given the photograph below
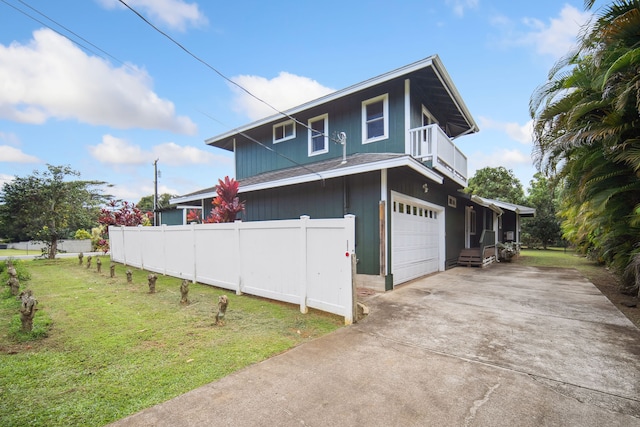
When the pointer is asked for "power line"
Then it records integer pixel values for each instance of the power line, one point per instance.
(223, 76)
(184, 49)
(219, 73)
(63, 27)
(250, 138)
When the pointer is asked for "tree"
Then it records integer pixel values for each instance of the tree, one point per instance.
(47, 207)
(226, 205)
(544, 227)
(146, 203)
(496, 183)
(587, 134)
(118, 212)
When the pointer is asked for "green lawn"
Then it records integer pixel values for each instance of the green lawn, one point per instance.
(16, 252)
(114, 349)
(559, 257)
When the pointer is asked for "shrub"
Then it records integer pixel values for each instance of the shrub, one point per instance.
(82, 234)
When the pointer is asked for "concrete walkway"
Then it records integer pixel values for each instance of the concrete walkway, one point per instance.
(500, 346)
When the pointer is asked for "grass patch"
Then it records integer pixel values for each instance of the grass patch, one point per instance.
(112, 349)
(560, 257)
(16, 252)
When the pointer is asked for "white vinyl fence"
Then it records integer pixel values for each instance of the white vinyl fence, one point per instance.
(301, 261)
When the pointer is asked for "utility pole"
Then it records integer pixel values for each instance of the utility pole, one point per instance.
(155, 192)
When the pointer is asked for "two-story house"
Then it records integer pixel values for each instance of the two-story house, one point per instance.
(383, 150)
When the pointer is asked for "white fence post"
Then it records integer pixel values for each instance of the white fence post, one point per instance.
(195, 252)
(124, 247)
(237, 224)
(303, 263)
(350, 291)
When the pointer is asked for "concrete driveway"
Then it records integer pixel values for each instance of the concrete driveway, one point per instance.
(501, 346)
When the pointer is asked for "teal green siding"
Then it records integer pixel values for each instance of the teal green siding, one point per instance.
(358, 195)
(345, 116)
(410, 183)
(171, 217)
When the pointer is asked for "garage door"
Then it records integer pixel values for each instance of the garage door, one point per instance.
(416, 238)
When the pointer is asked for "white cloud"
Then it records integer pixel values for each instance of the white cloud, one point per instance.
(10, 138)
(117, 151)
(559, 36)
(133, 192)
(175, 14)
(459, 6)
(517, 132)
(519, 162)
(52, 78)
(4, 178)
(13, 155)
(283, 92)
(501, 157)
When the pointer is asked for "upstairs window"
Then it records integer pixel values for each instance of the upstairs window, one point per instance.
(284, 131)
(318, 131)
(375, 119)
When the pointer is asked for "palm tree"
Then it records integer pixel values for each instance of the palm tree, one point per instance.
(587, 128)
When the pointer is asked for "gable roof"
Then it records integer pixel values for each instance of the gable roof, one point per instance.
(332, 168)
(429, 74)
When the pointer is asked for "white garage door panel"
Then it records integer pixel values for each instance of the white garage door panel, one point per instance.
(415, 239)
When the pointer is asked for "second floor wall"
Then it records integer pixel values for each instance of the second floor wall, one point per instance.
(417, 113)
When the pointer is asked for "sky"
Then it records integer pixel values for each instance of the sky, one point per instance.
(89, 84)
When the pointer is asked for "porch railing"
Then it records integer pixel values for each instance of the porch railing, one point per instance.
(431, 144)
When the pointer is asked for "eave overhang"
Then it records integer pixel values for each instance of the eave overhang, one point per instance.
(467, 123)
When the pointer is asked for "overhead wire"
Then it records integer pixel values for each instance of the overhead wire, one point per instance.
(185, 50)
(223, 76)
(219, 73)
(265, 146)
(59, 32)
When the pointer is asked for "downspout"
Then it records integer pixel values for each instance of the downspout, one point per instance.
(472, 129)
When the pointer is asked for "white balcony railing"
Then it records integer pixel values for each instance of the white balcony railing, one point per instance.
(431, 144)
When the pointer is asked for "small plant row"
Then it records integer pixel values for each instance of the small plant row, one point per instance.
(152, 278)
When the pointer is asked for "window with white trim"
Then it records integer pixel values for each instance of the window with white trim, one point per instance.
(318, 135)
(284, 131)
(375, 119)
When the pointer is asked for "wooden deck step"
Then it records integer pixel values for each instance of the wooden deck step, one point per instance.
(472, 257)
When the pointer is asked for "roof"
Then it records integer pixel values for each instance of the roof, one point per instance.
(523, 211)
(429, 74)
(332, 168)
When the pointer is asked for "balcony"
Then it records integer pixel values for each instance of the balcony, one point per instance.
(431, 145)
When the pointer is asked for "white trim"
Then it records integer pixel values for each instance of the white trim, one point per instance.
(383, 197)
(442, 253)
(353, 170)
(404, 161)
(325, 119)
(407, 116)
(383, 185)
(284, 125)
(384, 98)
(433, 61)
(431, 117)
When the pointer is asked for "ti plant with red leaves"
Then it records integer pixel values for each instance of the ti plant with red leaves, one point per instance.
(226, 205)
(193, 215)
(120, 213)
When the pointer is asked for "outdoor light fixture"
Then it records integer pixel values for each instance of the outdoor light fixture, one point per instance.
(425, 187)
